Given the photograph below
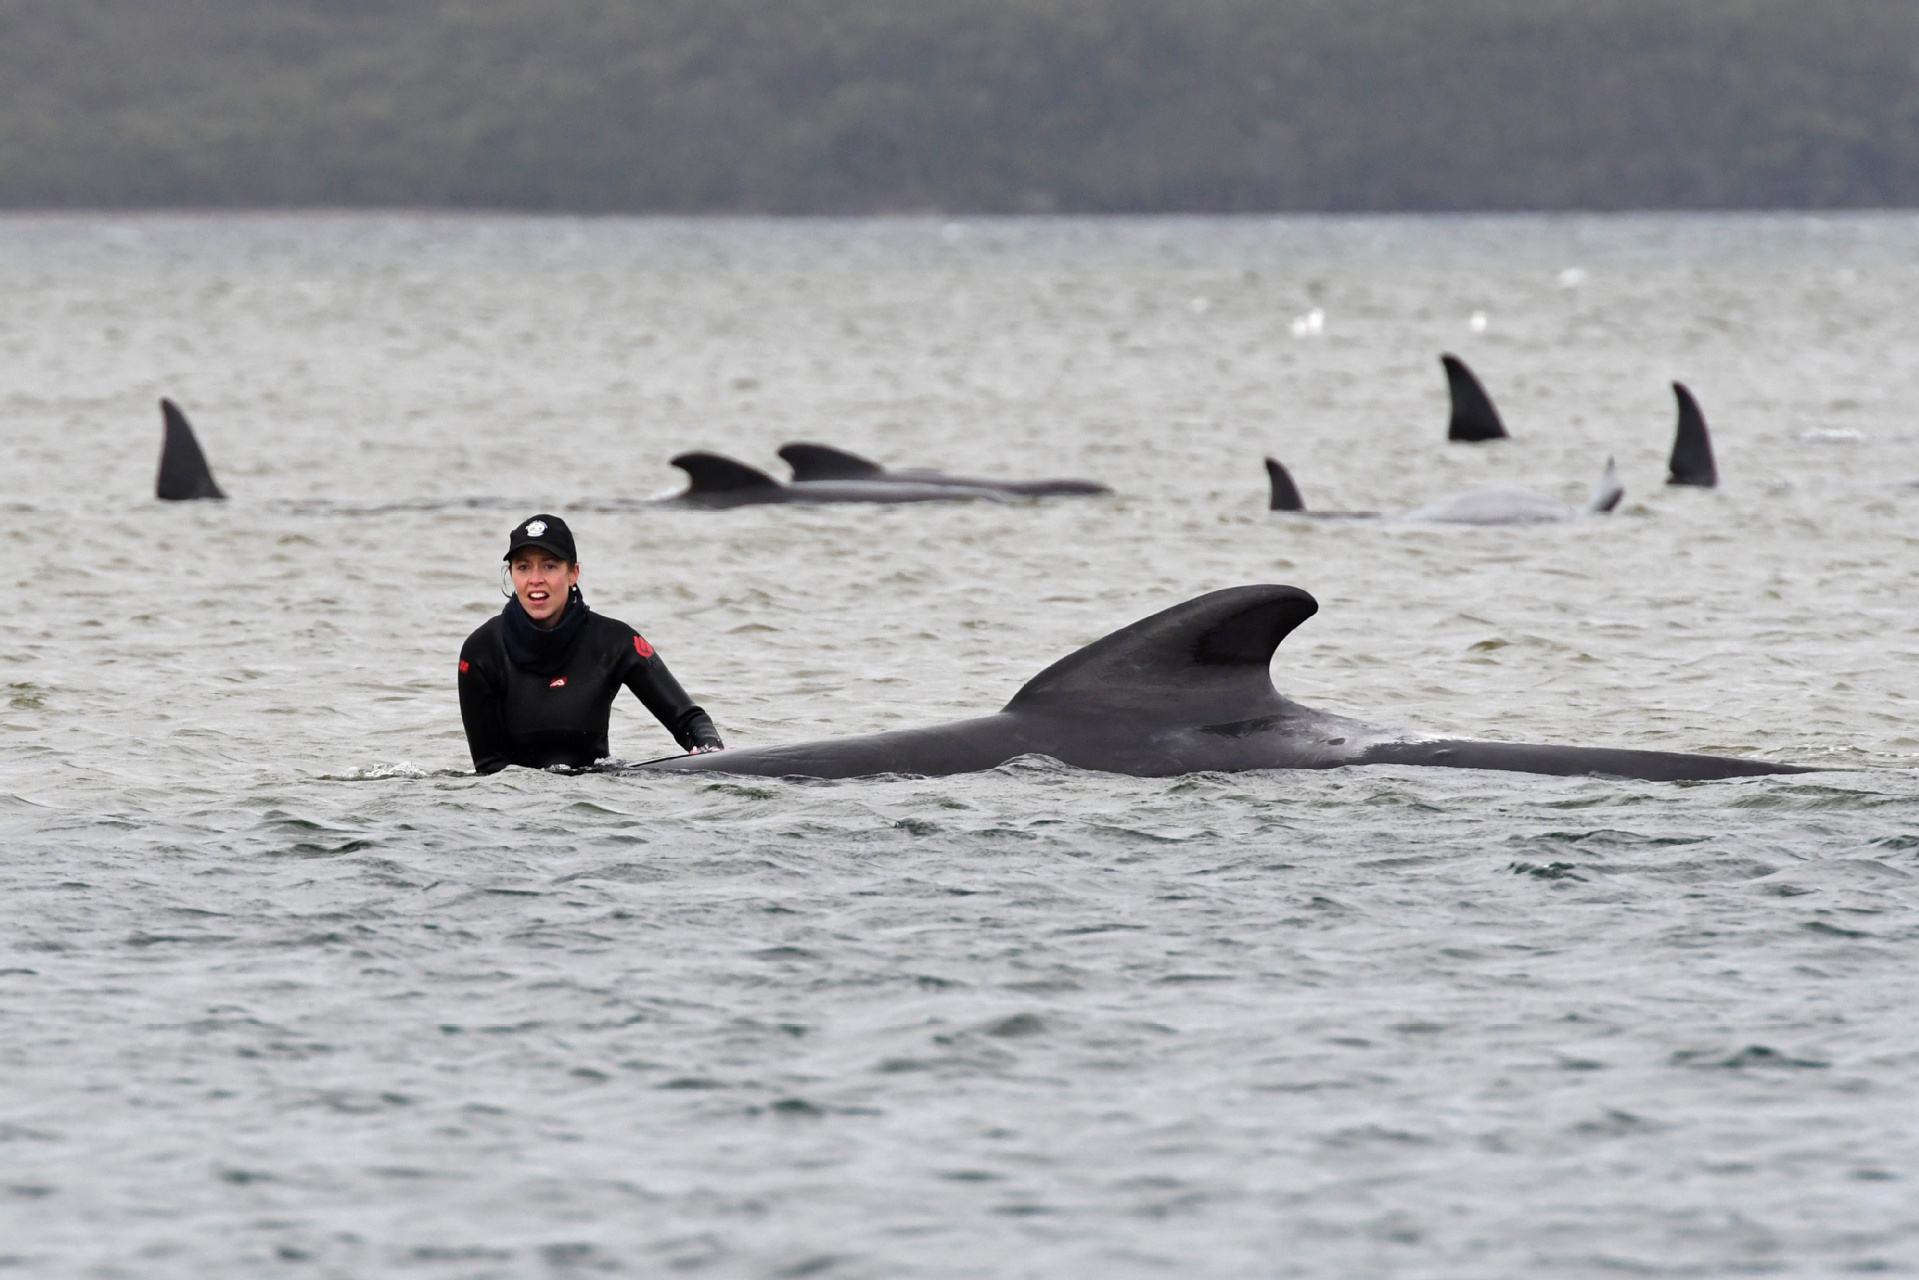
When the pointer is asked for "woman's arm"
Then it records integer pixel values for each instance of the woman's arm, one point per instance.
(481, 712)
(646, 675)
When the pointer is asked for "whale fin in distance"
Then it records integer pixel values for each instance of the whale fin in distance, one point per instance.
(1202, 661)
(1285, 492)
(1691, 446)
(712, 473)
(1607, 493)
(184, 474)
(823, 462)
(1474, 417)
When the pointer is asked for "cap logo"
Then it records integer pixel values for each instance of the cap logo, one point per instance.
(557, 684)
(534, 528)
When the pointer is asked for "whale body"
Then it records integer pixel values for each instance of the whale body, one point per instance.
(184, 474)
(1520, 506)
(1478, 506)
(1494, 506)
(718, 482)
(819, 462)
(1283, 495)
(1187, 690)
(1691, 462)
(1473, 416)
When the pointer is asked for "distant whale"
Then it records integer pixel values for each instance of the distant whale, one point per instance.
(721, 483)
(814, 462)
(1691, 461)
(1285, 497)
(1188, 690)
(1479, 506)
(184, 474)
(1519, 506)
(1473, 417)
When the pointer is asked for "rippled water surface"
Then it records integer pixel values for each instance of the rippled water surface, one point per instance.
(284, 992)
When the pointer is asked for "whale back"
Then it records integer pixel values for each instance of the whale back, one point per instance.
(184, 474)
(1691, 461)
(1285, 494)
(1493, 506)
(1474, 417)
(1187, 690)
(712, 473)
(1203, 661)
(823, 462)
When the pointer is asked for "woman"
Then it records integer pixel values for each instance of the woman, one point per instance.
(537, 682)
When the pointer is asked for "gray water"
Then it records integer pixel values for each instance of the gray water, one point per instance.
(285, 992)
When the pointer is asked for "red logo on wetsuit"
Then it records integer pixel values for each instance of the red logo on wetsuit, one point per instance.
(462, 666)
(641, 647)
(558, 684)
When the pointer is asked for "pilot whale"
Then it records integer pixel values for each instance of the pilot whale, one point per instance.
(1473, 416)
(1520, 506)
(1284, 496)
(718, 482)
(811, 462)
(1478, 506)
(184, 474)
(1187, 690)
(1691, 462)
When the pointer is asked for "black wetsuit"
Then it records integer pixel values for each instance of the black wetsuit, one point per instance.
(538, 697)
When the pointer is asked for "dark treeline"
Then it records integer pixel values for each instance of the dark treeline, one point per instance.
(988, 105)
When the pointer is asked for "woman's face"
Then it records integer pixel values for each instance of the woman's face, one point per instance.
(541, 581)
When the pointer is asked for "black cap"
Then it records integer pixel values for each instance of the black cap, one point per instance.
(548, 533)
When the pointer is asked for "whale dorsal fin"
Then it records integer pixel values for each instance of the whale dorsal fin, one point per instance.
(712, 473)
(1691, 446)
(1199, 662)
(1474, 417)
(1285, 492)
(822, 462)
(184, 474)
(1607, 493)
